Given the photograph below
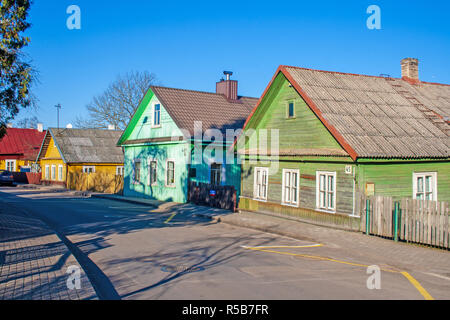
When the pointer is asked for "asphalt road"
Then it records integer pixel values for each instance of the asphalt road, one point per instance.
(130, 251)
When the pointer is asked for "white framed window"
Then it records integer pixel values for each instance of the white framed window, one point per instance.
(290, 187)
(47, 172)
(88, 169)
(152, 172)
(260, 183)
(53, 172)
(10, 165)
(60, 173)
(119, 171)
(326, 191)
(156, 115)
(170, 173)
(137, 171)
(425, 186)
(216, 174)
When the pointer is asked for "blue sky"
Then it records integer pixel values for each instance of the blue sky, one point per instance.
(188, 44)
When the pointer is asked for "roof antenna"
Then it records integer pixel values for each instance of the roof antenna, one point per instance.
(58, 107)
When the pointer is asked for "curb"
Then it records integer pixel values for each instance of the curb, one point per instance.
(208, 216)
(101, 196)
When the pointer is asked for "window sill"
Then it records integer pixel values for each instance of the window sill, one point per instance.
(260, 200)
(290, 205)
(325, 210)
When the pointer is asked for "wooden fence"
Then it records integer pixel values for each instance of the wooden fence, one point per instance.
(95, 182)
(419, 221)
(425, 222)
(223, 197)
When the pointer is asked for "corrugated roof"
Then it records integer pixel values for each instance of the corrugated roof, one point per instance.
(380, 117)
(88, 145)
(21, 143)
(214, 110)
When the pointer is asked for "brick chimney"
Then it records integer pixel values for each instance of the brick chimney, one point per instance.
(410, 70)
(227, 87)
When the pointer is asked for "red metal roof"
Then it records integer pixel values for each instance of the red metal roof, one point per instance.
(21, 144)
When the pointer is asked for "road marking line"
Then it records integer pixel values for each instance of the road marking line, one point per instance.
(417, 285)
(437, 275)
(171, 217)
(275, 247)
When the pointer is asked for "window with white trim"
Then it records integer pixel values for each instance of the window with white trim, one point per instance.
(290, 186)
(53, 172)
(119, 171)
(60, 173)
(326, 191)
(170, 174)
(137, 170)
(152, 172)
(10, 165)
(88, 169)
(157, 115)
(47, 172)
(425, 185)
(260, 183)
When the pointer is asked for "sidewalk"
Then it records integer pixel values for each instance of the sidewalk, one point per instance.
(34, 261)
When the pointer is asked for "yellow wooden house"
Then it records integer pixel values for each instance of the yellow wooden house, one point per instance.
(65, 152)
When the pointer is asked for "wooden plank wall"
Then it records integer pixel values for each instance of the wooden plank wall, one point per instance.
(95, 182)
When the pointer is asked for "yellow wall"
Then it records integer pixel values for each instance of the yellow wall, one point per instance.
(19, 163)
(109, 168)
(52, 158)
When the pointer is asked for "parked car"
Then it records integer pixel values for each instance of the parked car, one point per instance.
(6, 178)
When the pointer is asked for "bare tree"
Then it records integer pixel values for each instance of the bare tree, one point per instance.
(118, 103)
(29, 122)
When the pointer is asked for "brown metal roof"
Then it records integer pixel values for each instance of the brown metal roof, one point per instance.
(214, 110)
(381, 117)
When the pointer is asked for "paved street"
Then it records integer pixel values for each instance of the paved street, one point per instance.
(132, 251)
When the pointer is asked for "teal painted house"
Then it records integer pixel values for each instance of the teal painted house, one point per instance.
(177, 136)
(341, 135)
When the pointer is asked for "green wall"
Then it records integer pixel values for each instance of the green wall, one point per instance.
(161, 153)
(304, 131)
(396, 179)
(307, 183)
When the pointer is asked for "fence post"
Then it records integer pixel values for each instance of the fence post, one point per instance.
(396, 211)
(367, 216)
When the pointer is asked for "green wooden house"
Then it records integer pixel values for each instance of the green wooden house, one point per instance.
(170, 128)
(343, 134)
